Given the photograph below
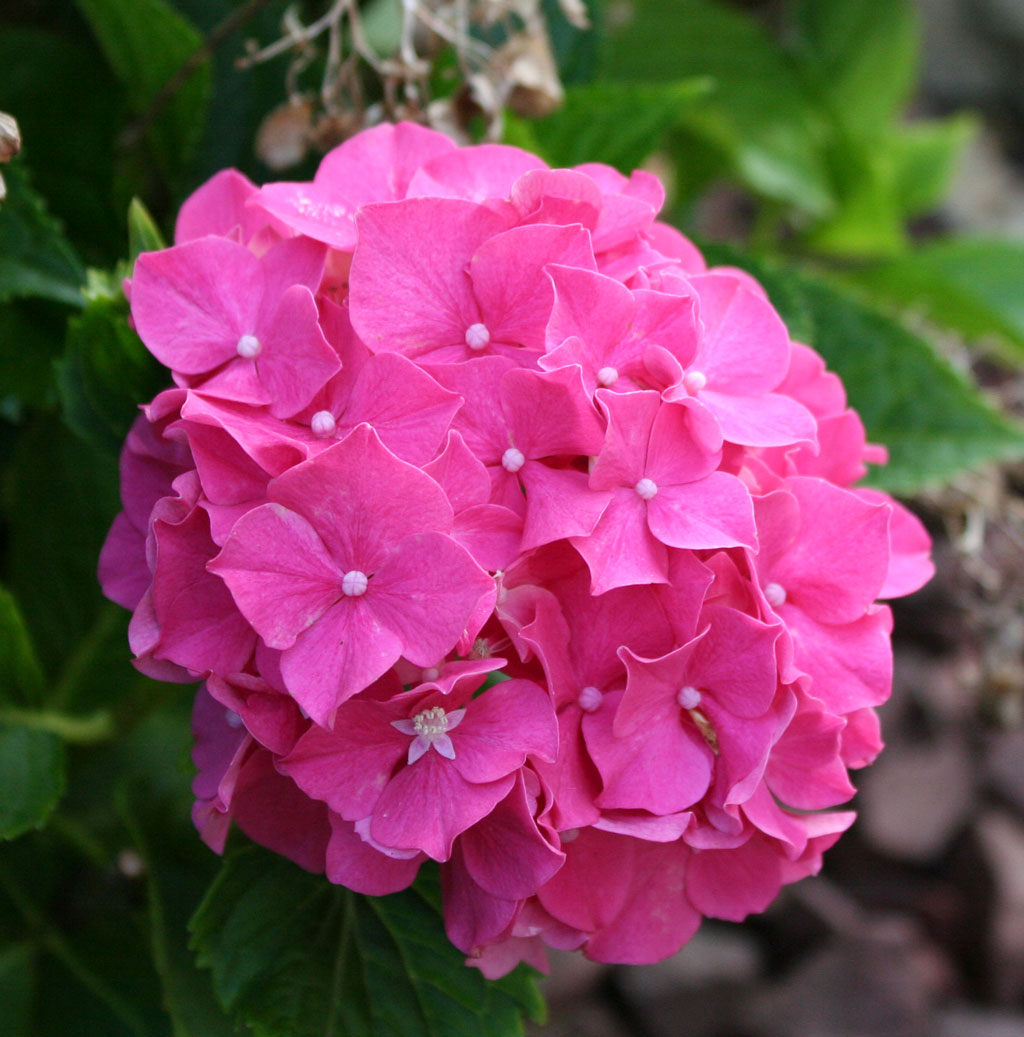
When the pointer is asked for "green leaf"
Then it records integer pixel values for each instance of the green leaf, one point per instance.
(293, 955)
(58, 497)
(616, 123)
(925, 155)
(23, 682)
(31, 338)
(35, 257)
(973, 285)
(105, 373)
(910, 399)
(31, 776)
(17, 989)
(860, 57)
(143, 233)
(146, 43)
(758, 113)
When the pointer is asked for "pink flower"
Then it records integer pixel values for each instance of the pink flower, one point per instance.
(505, 534)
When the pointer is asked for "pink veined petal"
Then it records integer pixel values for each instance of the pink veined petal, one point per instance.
(559, 504)
(278, 571)
(428, 804)
(191, 303)
(353, 862)
(409, 291)
(348, 767)
(715, 511)
(512, 290)
(296, 361)
(425, 594)
(472, 916)
(760, 421)
(218, 207)
(362, 500)
(486, 171)
(294, 261)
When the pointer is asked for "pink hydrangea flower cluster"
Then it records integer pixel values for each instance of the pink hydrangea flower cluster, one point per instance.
(503, 533)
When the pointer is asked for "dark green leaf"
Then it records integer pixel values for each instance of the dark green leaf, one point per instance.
(293, 955)
(143, 233)
(31, 338)
(860, 57)
(758, 113)
(617, 123)
(146, 43)
(68, 107)
(106, 373)
(35, 257)
(23, 682)
(17, 989)
(31, 776)
(971, 285)
(910, 399)
(58, 498)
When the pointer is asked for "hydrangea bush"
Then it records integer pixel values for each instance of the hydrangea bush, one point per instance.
(502, 532)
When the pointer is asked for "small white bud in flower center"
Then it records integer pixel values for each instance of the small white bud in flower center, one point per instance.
(431, 673)
(646, 488)
(232, 718)
(688, 697)
(354, 583)
(512, 460)
(323, 424)
(590, 699)
(477, 336)
(607, 376)
(569, 835)
(249, 347)
(695, 381)
(775, 594)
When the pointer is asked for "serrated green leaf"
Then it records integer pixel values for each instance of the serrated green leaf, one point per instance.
(910, 399)
(146, 43)
(616, 123)
(31, 776)
(758, 113)
(105, 373)
(143, 233)
(859, 56)
(36, 260)
(973, 285)
(293, 955)
(23, 680)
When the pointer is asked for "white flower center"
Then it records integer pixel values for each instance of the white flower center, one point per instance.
(590, 699)
(430, 731)
(431, 673)
(512, 460)
(775, 594)
(249, 347)
(477, 336)
(695, 381)
(232, 718)
(607, 376)
(354, 583)
(688, 697)
(323, 424)
(646, 488)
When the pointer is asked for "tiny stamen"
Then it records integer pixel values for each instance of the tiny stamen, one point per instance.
(695, 381)
(607, 376)
(688, 697)
(775, 595)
